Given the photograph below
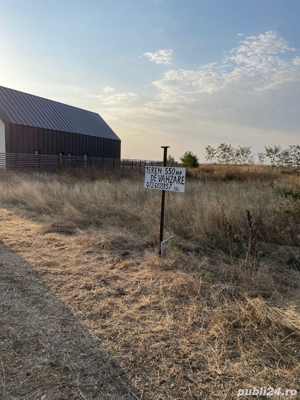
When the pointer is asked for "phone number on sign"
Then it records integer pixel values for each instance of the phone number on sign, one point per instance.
(161, 186)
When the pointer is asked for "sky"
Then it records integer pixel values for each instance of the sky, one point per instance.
(182, 73)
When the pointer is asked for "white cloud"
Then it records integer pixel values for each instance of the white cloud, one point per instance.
(119, 98)
(296, 61)
(108, 89)
(240, 34)
(161, 56)
(267, 43)
(249, 97)
(255, 65)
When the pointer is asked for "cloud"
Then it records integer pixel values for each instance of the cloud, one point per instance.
(255, 65)
(249, 97)
(119, 98)
(255, 87)
(296, 61)
(267, 43)
(161, 56)
(240, 34)
(108, 89)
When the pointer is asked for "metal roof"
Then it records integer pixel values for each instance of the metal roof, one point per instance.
(29, 110)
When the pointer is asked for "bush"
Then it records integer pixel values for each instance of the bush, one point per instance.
(189, 160)
(171, 160)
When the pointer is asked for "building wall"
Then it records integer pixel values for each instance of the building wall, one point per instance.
(2, 146)
(2, 137)
(25, 139)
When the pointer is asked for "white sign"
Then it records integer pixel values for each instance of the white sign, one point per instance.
(165, 178)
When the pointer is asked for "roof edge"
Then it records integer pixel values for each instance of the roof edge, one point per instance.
(45, 98)
(60, 130)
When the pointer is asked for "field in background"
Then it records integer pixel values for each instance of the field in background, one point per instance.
(221, 313)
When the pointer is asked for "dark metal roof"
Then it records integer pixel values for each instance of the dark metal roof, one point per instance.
(29, 110)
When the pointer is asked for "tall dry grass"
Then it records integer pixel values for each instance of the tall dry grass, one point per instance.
(210, 215)
(219, 314)
(248, 173)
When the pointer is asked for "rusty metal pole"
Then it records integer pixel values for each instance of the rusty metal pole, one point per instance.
(163, 192)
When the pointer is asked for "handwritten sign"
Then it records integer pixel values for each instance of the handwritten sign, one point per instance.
(165, 178)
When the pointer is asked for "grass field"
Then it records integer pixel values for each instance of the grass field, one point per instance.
(219, 314)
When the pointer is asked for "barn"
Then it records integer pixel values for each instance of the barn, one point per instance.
(33, 125)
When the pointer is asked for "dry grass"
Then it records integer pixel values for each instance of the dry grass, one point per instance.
(247, 173)
(200, 325)
(45, 353)
(211, 214)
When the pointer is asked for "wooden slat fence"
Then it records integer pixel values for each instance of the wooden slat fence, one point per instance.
(51, 163)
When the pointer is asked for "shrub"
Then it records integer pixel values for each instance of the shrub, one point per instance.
(189, 160)
(171, 160)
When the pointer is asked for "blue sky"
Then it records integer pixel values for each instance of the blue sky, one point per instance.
(182, 73)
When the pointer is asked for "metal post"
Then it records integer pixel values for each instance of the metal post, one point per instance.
(163, 192)
(123, 163)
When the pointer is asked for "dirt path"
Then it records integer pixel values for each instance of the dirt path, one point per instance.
(45, 353)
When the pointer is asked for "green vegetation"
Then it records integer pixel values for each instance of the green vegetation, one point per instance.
(189, 160)
(171, 160)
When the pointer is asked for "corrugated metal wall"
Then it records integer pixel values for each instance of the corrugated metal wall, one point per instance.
(25, 139)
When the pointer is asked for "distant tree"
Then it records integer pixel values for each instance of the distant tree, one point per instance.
(210, 153)
(273, 154)
(189, 160)
(171, 160)
(285, 158)
(243, 155)
(261, 158)
(295, 155)
(225, 153)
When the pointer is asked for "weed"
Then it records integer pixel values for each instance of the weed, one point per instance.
(205, 275)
